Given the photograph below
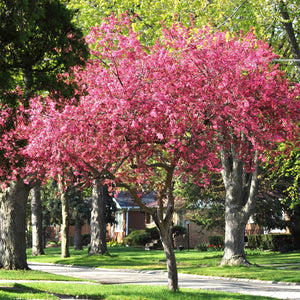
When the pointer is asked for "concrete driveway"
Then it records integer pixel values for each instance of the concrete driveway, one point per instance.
(277, 290)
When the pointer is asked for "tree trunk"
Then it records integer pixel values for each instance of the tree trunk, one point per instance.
(240, 199)
(28, 82)
(98, 224)
(36, 220)
(163, 217)
(13, 226)
(77, 236)
(235, 223)
(166, 240)
(65, 225)
(289, 29)
(294, 226)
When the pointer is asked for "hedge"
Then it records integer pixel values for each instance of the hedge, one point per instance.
(273, 242)
(141, 237)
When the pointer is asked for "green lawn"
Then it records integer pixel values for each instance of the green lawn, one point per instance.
(266, 265)
(41, 290)
(32, 275)
(271, 266)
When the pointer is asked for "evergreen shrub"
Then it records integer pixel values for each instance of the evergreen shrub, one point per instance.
(153, 233)
(137, 238)
(178, 230)
(86, 239)
(273, 242)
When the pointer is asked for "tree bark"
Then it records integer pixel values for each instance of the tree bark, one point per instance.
(98, 225)
(240, 199)
(167, 243)
(289, 29)
(235, 223)
(77, 235)
(163, 216)
(65, 225)
(36, 220)
(13, 226)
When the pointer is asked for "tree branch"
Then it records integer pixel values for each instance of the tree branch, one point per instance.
(236, 10)
(288, 25)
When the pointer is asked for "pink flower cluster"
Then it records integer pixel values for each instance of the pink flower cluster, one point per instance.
(170, 106)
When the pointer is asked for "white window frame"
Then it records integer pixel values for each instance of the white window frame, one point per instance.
(119, 219)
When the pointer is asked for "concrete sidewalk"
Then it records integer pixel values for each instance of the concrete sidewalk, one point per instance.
(279, 290)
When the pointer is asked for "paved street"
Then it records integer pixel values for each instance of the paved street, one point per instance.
(109, 276)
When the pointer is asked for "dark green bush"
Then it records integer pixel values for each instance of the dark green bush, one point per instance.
(254, 241)
(202, 247)
(137, 238)
(217, 240)
(86, 239)
(153, 233)
(273, 242)
(178, 230)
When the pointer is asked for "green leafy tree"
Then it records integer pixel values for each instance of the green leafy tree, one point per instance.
(205, 205)
(276, 21)
(38, 40)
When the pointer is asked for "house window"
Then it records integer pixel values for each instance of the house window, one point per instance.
(119, 220)
(181, 218)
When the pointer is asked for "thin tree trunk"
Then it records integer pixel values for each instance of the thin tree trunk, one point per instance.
(240, 200)
(166, 240)
(13, 226)
(98, 225)
(163, 216)
(65, 225)
(36, 220)
(77, 235)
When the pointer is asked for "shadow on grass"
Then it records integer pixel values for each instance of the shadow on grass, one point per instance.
(20, 291)
(17, 291)
(132, 292)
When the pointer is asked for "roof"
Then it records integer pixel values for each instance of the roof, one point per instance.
(124, 200)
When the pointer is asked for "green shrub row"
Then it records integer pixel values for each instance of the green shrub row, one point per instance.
(273, 242)
(144, 236)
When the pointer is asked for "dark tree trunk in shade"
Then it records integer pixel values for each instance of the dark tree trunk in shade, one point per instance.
(98, 225)
(13, 226)
(37, 220)
(77, 235)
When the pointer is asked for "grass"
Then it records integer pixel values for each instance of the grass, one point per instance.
(266, 265)
(41, 290)
(32, 275)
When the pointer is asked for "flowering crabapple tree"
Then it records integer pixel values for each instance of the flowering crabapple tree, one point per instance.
(191, 104)
(56, 144)
(250, 107)
(138, 125)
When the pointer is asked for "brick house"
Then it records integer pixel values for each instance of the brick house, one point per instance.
(253, 228)
(130, 217)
